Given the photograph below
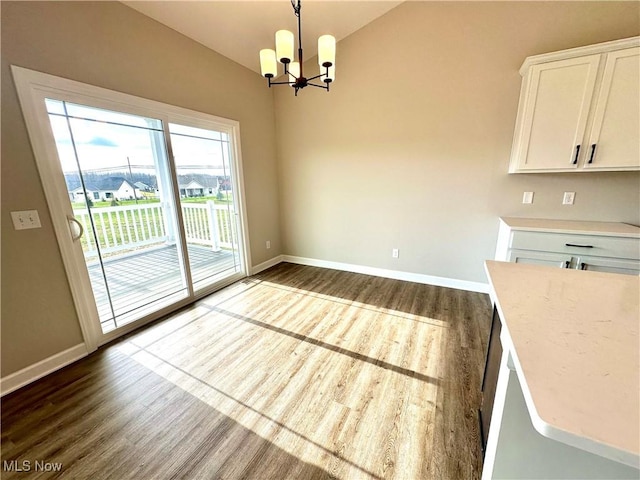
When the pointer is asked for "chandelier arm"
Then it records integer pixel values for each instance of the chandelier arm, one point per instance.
(326, 87)
(317, 76)
(281, 83)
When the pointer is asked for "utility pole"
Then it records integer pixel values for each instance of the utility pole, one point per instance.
(131, 178)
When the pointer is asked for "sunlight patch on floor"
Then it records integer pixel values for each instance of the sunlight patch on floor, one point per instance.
(316, 383)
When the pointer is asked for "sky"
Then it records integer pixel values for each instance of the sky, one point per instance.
(105, 147)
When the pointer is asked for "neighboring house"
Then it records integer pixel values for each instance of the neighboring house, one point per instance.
(193, 189)
(105, 189)
(124, 190)
(197, 185)
(77, 194)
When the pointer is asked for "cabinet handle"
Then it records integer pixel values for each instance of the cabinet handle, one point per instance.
(593, 151)
(583, 266)
(575, 160)
(567, 264)
(579, 246)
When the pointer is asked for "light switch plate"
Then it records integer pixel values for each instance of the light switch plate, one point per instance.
(568, 198)
(527, 197)
(25, 219)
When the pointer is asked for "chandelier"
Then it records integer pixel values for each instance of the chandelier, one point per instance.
(293, 70)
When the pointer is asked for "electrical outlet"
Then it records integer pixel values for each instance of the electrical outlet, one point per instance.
(568, 198)
(268, 244)
(527, 197)
(25, 219)
(395, 253)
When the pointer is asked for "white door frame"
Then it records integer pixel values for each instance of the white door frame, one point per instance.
(33, 87)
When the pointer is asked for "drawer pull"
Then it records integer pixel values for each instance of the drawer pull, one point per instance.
(583, 266)
(575, 160)
(579, 246)
(567, 264)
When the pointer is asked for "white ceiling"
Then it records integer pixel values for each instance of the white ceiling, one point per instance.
(239, 29)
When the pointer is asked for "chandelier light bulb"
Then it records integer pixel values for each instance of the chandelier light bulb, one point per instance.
(268, 63)
(284, 46)
(326, 50)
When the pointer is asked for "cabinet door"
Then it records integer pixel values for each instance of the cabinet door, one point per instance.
(609, 265)
(558, 260)
(614, 142)
(554, 117)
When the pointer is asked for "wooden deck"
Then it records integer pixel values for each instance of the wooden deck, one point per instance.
(139, 279)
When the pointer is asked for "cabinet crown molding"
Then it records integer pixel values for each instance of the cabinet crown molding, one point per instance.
(579, 52)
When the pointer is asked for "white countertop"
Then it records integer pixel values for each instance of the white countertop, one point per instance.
(573, 226)
(574, 339)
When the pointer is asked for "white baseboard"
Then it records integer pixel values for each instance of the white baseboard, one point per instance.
(44, 367)
(395, 274)
(264, 265)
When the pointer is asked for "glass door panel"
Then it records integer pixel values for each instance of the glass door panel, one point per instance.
(203, 166)
(117, 177)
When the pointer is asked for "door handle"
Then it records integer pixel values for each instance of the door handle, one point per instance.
(78, 227)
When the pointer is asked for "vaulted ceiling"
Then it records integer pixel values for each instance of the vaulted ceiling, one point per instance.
(239, 29)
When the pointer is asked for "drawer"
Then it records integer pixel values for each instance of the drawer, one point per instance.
(592, 245)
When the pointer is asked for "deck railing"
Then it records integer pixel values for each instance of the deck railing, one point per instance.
(133, 226)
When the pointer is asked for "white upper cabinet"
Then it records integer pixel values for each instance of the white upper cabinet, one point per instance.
(555, 116)
(579, 110)
(614, 141)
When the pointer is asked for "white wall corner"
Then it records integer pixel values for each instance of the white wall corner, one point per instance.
(264, 265)
(44, 367)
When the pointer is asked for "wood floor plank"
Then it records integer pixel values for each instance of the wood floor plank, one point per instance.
(298, 372)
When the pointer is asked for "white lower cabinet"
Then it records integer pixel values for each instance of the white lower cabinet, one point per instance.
(595, 246)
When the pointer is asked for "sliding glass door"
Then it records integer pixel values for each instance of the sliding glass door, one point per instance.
(116, 172)
(145, 199)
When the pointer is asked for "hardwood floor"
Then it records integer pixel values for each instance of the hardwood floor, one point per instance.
(298, 372)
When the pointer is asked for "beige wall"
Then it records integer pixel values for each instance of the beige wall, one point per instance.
(109, 45)
(410, 149)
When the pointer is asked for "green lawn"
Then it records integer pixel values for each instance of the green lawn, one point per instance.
(227, 198)
(145, 223)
